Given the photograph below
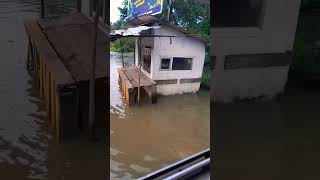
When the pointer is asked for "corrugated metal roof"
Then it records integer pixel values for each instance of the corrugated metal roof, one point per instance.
(148, 20)
(135, 31)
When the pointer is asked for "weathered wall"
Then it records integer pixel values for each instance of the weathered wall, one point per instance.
(179, 47)
(276, 35)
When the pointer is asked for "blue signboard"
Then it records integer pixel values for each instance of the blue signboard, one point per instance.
(137, 8)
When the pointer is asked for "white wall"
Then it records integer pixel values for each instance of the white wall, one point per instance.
(276, 35)
(180, 47)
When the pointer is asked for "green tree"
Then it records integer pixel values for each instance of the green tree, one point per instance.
(189, 14)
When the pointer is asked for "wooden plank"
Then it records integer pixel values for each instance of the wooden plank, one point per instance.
(53, 107)
(58, 115)
(36, 72)
(126, 94)
(47, 89)
(44, 82)
(47, 53)
(41, 78)
(257, 60)
(49, 94)
(72, 41)
(74, 18)
(124, 79)
(133, 76)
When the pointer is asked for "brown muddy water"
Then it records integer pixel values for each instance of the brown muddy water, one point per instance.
(27, 147)
(151, 136)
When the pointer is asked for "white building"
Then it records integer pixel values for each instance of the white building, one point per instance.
(252, 46)
(172, 57)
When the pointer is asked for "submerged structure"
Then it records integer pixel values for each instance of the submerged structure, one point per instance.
(58, 59)
(172, 57)
(168, 55)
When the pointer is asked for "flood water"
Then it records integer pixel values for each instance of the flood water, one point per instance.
(27, 147)
(276, 140)
(148, 137)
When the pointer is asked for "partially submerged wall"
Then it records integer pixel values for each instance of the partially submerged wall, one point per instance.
(177, 81)
(247, 74)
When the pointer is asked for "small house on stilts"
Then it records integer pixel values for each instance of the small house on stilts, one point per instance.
(168, 58)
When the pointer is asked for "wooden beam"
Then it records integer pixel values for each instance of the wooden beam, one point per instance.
(41, 78)
(58, 115)
(93, 69)
(53, 106)
(151, 91)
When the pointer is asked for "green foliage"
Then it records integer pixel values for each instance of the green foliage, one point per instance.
(205, 80)
(191, 15)
(123, 10)
(306, 52)
(122, 45)
(310, 4)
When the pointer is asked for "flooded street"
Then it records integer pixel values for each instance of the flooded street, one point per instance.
(27, 147)
(149, 137)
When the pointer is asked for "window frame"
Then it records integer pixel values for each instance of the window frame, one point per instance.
(192, 61)
(171, 63)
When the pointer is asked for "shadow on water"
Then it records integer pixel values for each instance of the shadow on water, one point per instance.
(269, 140)
(148, 137)
(28, 149)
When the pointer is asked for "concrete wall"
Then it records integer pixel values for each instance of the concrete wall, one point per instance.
(275, 35)
(179, 47)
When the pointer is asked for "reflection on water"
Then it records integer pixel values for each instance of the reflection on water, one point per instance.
(146, 138)
(27, 149)
(269, 140)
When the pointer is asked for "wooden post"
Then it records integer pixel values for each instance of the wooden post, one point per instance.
(134, 54)
(121, 45)
(42, 9)
(58, 115)
(41, 77)
(93, 68)
(139, 64)
(53, 105)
